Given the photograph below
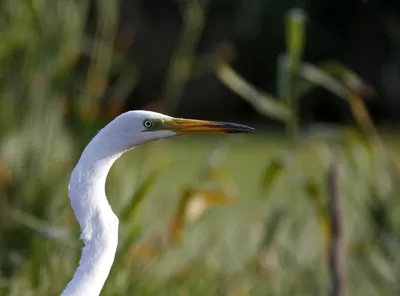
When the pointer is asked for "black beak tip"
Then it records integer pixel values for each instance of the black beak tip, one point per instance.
(234, 128)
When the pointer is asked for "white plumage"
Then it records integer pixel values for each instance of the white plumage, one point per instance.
(98, 223)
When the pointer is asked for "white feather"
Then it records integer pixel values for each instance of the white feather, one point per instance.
(98, 223)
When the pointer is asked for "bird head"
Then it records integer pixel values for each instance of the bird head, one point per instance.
(139, 127)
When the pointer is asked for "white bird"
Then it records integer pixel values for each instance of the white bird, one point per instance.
(98, 223)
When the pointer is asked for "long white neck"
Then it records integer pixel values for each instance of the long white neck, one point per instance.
(99, 224)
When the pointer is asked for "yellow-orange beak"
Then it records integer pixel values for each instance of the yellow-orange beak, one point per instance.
(204, 127)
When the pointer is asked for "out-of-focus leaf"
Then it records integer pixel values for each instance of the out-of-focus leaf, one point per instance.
(176, 228)
(348, 77)
(271, 226)
(119, 91)
(320, 78)
(144, 252)
(272, 172)
(211, 197)
(127, 241)
(314, 194)
(295, 36)
(267, 261)
(352, 142)
(192, 205)
(379, 216)
(141, 192)
(222, 178)
(360, 248)
(35, 263)
(178, 220)
(361, 114)
(5, 174)
(218, 174)
(382, 266)
(331, 73)
(41, 227)
(264, 103)
(266, 257)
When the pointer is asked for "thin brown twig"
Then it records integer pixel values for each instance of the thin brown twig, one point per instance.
(336, 249)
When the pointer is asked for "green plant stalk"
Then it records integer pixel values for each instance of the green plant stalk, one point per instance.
(286, 94)
(295, 37)
(337, 249)
(184, 56)
(102, 50)
(289, 64)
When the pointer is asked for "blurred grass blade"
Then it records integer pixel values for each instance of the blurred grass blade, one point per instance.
(314, 193)
(264, 103)
(37, 259)
(331, 74)
(352, 90)
(271, 226)
(119, 92)
(288, 65)
(266, 260)
(44, 228)
(347, 87)
(320, 78)
(227, 183)
(361, 115)
(286, 93)
(295, 37)
(354, 142)
(141, 192)
(126, 243)
(272, 173)
(184, 55)
(348, 77)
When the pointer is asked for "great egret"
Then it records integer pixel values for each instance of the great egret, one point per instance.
(98, 223)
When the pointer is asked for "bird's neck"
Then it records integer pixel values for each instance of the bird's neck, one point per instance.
(99, 224)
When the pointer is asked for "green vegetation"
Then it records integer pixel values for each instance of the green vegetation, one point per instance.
(267, 227)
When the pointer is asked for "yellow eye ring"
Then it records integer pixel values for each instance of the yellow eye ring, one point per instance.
(147, 123)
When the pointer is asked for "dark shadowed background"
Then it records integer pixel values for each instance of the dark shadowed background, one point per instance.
(363, 35)
(307, 205)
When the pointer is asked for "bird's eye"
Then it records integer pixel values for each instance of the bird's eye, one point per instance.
(147, 124)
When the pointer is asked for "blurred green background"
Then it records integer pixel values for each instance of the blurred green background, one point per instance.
(308, 205)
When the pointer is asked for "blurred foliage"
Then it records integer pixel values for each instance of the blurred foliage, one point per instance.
(245, 217)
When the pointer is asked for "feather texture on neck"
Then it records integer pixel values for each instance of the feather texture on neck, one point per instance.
(98, 223)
